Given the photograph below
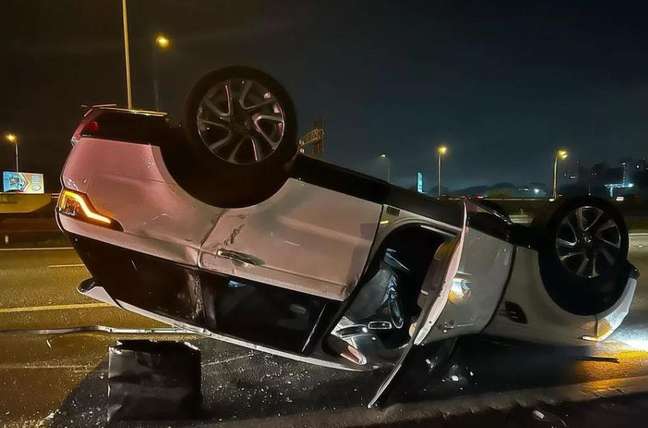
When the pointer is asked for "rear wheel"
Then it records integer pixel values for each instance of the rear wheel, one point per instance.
(242, 122)
(583, 255)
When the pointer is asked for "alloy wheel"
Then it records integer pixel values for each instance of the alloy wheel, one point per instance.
(241, 121)
(588, 242)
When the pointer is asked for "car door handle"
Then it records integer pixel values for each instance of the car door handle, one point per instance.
(239, 257)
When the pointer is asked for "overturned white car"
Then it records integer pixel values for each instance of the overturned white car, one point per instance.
(221, 227)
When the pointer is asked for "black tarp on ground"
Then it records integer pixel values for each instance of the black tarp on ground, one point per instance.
(153, 380)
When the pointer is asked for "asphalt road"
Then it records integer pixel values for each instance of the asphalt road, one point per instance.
(60, 380)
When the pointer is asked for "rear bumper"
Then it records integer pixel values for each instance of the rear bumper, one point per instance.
(130, 183)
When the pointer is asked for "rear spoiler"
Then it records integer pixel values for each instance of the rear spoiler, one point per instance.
(114, 123)
(85, 108)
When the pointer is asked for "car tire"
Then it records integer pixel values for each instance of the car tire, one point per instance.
(583, 249)
(242, 127)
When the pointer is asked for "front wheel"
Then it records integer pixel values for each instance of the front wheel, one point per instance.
(583, 255)
(242, 122)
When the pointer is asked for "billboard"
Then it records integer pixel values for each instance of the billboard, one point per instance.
(419, 182)
(22, 182)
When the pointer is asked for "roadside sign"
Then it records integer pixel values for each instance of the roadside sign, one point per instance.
(313, 135)
(22, 182)
(313, 138)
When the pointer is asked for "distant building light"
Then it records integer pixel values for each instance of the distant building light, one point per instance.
(536, 190)
(620, 198)
(619, 185)
(612, 186)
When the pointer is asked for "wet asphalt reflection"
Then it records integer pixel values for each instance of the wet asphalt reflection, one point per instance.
(62, 380)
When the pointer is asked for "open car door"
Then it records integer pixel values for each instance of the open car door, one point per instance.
(432, 299)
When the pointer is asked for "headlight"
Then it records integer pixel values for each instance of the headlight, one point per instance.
(459, 291)
(77, 205)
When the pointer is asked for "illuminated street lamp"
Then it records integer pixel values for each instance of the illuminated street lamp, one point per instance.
(161, 43)
(441, 151)
(560, 154)
(384, 156)
(13, 139)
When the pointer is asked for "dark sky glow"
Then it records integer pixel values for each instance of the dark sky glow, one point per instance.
(502, 83)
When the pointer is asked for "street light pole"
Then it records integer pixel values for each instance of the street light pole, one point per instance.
(559, 154)
(384, 156)
(441, 150)
(13, 139)
(439, 181)
(129, 95)
(161, 42)
(17, 169)
(555, 177)
(156, 85)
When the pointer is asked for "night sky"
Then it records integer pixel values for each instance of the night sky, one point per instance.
(501, 83)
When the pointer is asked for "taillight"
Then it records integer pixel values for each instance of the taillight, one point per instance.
(91, 128)
(77, 205)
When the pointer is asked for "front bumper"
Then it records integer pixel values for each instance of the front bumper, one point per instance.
(608, 321)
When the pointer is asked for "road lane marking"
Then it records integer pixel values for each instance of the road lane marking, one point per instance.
(37, 249)
(66, 266)
(54, 366)
(53, 307)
